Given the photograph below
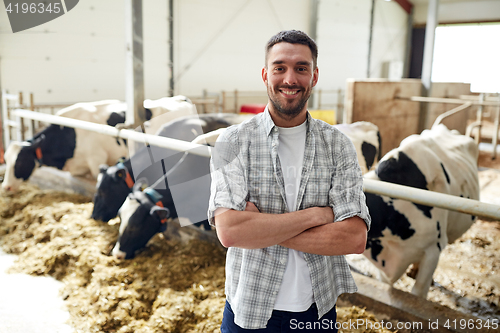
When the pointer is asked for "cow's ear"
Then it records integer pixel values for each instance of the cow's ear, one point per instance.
(38, 141)
(140, 185)
(148, 113)
(103, 168)
(163, 214)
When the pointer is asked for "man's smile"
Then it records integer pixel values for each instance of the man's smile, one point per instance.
(289, 92)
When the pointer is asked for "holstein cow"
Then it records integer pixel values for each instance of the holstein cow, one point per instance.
(402, 232)
(366, 139)
(183, 193)
(149, 163)
(74, 150)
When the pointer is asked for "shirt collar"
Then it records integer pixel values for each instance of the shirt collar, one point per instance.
(268, 122)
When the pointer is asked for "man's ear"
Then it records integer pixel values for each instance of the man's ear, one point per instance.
(264, 75)
(315, 76)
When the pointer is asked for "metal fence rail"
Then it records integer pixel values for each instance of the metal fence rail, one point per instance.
(429, 198)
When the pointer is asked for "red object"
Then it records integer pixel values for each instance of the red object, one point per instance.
(253, 108)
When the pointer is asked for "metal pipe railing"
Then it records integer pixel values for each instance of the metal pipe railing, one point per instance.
(160, 141)
(446, 100)
(451, 112)
(434, 199)
(429, 198)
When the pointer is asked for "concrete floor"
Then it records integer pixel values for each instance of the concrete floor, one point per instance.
(30, 303)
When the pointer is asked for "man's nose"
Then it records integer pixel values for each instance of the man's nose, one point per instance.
(290, 78)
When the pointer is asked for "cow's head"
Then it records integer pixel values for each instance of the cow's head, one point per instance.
(113, 185)
(142, 216)
(21, 158)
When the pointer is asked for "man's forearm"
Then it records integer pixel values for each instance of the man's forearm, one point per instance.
(339, 238)
(251, 229)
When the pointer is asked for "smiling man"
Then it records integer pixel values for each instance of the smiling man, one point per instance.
(287, 202)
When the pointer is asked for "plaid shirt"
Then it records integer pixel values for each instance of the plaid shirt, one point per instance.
(245, 167)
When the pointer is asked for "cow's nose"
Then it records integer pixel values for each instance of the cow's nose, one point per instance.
(120, 255)
(7, 188)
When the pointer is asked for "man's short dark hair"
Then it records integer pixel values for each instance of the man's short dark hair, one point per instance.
(294, 37)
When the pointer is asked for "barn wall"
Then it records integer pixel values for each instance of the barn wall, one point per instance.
(218, 46)
(76, 57)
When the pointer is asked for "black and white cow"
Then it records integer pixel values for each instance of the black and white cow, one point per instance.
(402, 232)
(74, 150)
(366, 139)
(149, 163)
(184, 194)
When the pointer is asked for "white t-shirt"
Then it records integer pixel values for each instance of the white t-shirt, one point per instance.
(295, 293)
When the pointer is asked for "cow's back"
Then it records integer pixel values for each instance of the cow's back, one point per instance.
(93, 149)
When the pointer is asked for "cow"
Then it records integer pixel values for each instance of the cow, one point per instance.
(149, 163)
(75, 150)
(402, 232)
(183, 194)
(366, 139)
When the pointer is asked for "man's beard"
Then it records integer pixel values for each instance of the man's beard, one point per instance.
(288, 111)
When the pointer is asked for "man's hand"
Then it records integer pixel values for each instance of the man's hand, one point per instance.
(251, 207)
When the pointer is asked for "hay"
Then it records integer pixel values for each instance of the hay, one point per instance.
(168, 287)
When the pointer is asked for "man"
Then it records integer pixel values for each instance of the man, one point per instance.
(287, 202)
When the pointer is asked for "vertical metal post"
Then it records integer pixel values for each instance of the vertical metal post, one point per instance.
(5, 120)
(313, 33)
(134, 63)
(370, 38)
(340, 107)
(409, 33)
(319, 93)
(203, 105)
(479, 119)
(495, 132)
(32, 123)
(235, 101)
(20, 129)
(171, 46)
(430, 30)
(223, 101)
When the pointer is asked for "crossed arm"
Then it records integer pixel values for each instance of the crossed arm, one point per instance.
(310, 230)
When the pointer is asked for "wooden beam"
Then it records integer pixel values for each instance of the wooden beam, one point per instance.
(405, 4)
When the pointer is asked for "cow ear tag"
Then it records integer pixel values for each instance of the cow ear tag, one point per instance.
(153, 194)
(155, 197)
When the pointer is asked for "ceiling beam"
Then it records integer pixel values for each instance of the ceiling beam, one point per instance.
(405, 4)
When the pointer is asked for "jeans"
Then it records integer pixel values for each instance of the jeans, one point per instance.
(286, 322)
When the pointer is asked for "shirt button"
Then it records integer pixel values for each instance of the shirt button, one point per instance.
(282, 261)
